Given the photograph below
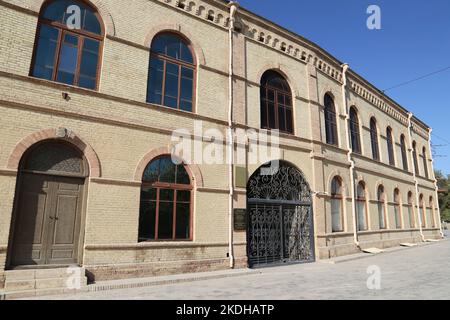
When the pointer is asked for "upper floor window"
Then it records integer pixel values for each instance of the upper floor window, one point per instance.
(361, 206)
(355, 138)
(422, 210)
(404, 157)
(330, 120)
(411, 210)
(67, 49)
(336, 205)
(166, 193)
(416, 161)
(172, 72)
(374, 139)
(425, 162)
(390, 146)
(276, 103)
(381, 207)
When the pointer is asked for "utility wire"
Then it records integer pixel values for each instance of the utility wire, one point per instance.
(417, 79)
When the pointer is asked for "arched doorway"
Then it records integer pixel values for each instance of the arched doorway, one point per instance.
(279, 216)
(48, 206)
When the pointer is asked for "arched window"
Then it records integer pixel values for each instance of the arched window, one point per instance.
(397, 209)
(330, 120)
(355, 138)
(404, 157)
(422, 211)
(390, 146)
(381, 207)
(166, 194)
(374, 139)
(337, 205)
(172, 72)
(68, 50)
(276, 103)
(416, 161)
(432, 213)
(425, 162)
(411, 210)
(361, 206)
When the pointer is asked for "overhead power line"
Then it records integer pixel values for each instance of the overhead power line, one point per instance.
(417, 79)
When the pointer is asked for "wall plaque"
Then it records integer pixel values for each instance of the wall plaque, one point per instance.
(240, 220)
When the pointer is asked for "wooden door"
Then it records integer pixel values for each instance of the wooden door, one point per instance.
(48, 219)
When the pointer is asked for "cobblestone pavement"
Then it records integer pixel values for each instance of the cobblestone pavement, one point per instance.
(412, 273)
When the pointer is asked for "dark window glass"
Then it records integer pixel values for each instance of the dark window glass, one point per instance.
(276, 103)
(354, 131)
(374, 139)
(65, 55)
(165, 198)
(416, 161)
(425, 162)
(330, 120)
(390, 146)
(381, 208)
(171, 73)
(404, 157)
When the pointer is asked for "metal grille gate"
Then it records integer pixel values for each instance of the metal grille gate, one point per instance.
(280, 221)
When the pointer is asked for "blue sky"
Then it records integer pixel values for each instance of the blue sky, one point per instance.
(414, 41)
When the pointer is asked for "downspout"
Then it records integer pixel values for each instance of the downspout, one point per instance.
(233, 9)
(416, 182)
(345, 68)
(438, 210)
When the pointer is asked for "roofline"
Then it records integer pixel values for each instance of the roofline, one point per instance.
(316, 47)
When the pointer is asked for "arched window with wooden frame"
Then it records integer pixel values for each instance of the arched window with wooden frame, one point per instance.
(397, 209)
(425, 162)
(69, 50)
(172, 72)
(432, 212)
(381, 199)
(361, 207)
(330, 120)
(416, 161)
(390, 146)
(276, 103)
(166, 202)
(422, 211)
(374, 139)
(355, 137)
(404, 152)
(411, 219)
(337, 203)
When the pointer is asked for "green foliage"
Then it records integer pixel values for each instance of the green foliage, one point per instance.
(444, 195)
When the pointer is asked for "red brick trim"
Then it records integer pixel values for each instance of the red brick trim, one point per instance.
(194, 169)
(50, 134)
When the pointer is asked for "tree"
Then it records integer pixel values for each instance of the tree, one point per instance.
(444, 195)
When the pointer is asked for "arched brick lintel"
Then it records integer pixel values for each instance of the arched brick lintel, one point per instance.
(50, 134)
(108, 21)
(194, 169)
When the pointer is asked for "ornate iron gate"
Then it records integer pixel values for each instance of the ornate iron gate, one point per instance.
(280, 219)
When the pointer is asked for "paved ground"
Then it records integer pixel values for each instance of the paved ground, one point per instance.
(414, 273)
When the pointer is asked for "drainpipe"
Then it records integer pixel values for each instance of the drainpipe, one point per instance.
(438, 210)
(416, 182)
(233, 9)
(345, 68)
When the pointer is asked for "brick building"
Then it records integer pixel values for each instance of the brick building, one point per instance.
(87, 116)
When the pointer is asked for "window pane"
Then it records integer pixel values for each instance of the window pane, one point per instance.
(361, 208)
(89, 64)
(187, 88)
(264, 123)
(171, 85)
(167, 170)
(186, 54)
(147, 220)
(68, 59)
(155, 81)
(271, 116)
(45, 52)
(56, 11)
(182, 175)
(183, 196)
(148, 193)
(381, 216)
(165, 220)
(281, 119)
(336, 214)
(91, 22)
(183, 221)
(173, 47)
(289, 121)
(151, 173)
(166, 195)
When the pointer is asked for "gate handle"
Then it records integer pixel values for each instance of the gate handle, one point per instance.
(54, 218)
